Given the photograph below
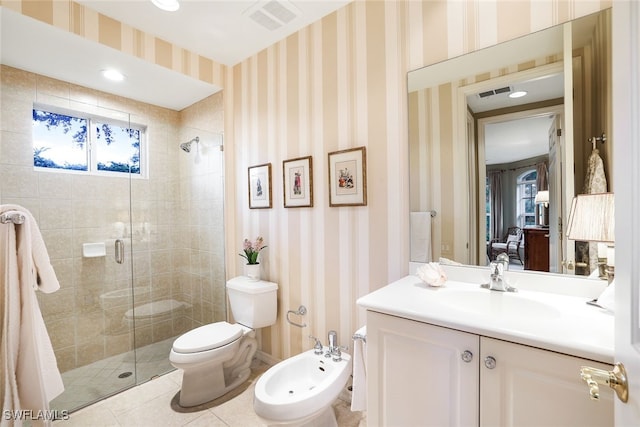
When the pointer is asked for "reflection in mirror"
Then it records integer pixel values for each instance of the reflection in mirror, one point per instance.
(478, 156)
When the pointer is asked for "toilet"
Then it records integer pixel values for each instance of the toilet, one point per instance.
(216, 358)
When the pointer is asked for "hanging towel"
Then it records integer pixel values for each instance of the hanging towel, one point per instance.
(30, 375)
(595, 182)
(359, 396)
(420, 223)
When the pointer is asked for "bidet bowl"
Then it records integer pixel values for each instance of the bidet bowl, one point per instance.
(300, 386)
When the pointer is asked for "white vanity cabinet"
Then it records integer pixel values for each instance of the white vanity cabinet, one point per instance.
(419, 374)
(416, 375)
(528, 386)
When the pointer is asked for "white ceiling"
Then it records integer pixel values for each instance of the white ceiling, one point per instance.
(524, 138)
(220, 30)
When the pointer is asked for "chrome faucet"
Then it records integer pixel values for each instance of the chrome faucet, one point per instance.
(317, 348)
(333, 341)
(498, 282)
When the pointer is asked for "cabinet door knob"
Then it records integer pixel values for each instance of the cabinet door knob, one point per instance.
(490, 362)
(616, 379)
(467, 356)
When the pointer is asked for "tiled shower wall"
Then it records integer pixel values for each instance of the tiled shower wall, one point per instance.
(176, 229)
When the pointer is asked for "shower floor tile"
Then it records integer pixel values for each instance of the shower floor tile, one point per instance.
(100, 379)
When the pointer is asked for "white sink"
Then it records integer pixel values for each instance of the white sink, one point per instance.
(483, 301)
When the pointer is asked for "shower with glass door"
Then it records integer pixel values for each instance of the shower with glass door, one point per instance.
(106, 186)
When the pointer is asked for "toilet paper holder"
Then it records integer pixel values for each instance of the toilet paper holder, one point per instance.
(302, 310)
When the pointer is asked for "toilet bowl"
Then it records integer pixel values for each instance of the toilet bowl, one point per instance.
(300, 391)
(216, 358)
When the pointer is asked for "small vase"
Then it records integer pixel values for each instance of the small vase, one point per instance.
(252, 271)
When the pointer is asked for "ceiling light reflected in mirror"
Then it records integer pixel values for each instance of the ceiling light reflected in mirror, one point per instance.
(518, 94)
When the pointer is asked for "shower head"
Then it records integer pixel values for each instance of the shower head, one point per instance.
(186, 146)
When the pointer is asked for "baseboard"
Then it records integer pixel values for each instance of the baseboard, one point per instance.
(266, 358)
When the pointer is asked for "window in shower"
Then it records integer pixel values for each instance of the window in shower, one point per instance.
(71, 141)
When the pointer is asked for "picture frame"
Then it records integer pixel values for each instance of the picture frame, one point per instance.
(348, 177)
(297, 179)
(259, 179)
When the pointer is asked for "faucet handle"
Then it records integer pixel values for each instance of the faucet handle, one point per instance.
(337, 353)
(317, 348)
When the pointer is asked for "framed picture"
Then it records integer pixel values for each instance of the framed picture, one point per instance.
(297, 176)
(348, 177)
(260, 186)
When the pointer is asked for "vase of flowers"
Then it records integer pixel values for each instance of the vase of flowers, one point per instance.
(251, 251)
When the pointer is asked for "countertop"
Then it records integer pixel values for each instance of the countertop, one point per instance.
(561, 323)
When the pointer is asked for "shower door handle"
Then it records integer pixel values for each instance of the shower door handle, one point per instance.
(119, 253)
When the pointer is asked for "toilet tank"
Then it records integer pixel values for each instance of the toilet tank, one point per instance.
(254, 303)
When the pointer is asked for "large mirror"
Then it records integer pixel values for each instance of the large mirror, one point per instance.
(492, 172)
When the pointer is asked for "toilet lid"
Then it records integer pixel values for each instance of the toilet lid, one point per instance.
(207, 337)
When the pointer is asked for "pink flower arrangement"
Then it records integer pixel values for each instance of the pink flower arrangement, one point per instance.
(251, 250)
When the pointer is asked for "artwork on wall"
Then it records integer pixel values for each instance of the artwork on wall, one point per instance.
(260, 186)
(348, 177)
(297, 178)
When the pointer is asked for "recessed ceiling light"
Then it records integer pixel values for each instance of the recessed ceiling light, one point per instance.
(168, 5)
(114, 75)
(517, 94)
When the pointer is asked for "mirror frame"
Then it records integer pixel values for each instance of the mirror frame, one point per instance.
(461, 243)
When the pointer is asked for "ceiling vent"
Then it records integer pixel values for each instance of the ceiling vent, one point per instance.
(272, 14)
(489, 93)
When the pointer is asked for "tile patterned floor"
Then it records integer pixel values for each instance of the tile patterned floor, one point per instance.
(155, 403)
(108, 376)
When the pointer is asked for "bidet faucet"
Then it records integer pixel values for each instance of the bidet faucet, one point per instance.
(317, 348)
(333, 341)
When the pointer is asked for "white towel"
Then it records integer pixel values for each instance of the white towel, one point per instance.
(359, 395)
(420, 223)
(30, 376)
(607, 298)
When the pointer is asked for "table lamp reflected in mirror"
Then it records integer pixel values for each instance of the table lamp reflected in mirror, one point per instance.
(592, 219)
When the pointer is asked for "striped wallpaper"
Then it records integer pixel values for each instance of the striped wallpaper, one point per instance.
(341, 83)
(338, 83)
(83, 21)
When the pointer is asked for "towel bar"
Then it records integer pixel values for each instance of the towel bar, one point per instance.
(12, 217)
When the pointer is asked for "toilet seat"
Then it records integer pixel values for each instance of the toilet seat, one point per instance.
(207, 337)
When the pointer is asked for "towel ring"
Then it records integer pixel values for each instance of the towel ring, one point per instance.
(302, 310)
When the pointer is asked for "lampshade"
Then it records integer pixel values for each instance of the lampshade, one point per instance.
(592, 218)
(542, 197)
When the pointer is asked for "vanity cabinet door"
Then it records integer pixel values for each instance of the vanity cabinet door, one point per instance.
(534, 387)
(419, 374)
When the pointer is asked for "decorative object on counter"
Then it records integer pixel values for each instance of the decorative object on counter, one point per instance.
(251, 252)
(260, 186)
(348, 177)
(592, 220)
(297, 179)
(432, 274)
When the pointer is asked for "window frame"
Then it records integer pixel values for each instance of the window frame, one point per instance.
(90, 145)
(521, 197)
